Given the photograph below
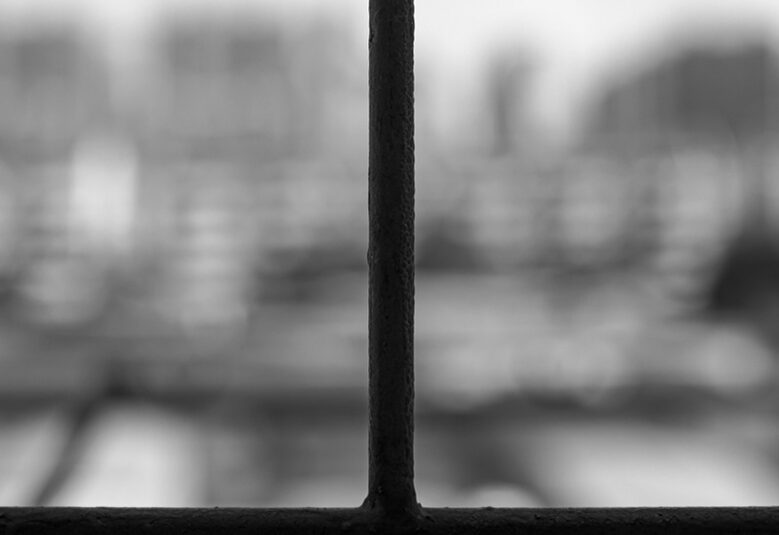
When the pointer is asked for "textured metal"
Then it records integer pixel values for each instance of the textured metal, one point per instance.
(121, 521)
(666, 521)
(391, 257)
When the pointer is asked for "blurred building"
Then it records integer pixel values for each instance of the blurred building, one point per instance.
(216, 85)
(710, 92)
(52, 88)
(249, 87)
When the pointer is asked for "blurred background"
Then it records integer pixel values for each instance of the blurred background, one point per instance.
(183, 230)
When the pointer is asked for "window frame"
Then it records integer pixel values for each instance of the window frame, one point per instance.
(391, 505)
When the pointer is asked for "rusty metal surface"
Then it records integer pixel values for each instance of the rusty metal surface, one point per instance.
(666, 521)
(118, 521)
(391, 257)
(602, 521)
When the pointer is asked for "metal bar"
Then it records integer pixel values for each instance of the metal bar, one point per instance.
(391, 257)
(639, 521)
(120, 521)
(602, 521)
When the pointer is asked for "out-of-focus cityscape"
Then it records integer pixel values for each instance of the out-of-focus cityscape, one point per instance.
(184, 289)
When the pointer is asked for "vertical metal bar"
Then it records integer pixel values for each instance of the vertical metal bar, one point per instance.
(391, 257)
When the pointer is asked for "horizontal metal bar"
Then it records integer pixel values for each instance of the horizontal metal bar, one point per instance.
(601, 521)
(120, 521)
(662, 521)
